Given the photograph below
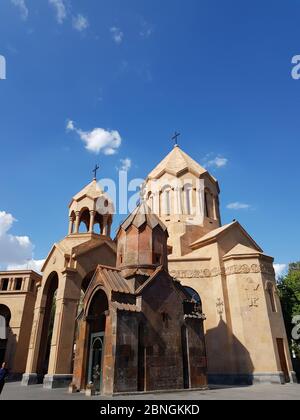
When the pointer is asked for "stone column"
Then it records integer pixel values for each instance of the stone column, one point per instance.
(109, 227)
(71, 224)
(62, 345)
(105, 226)
(77, 221)
(81, 356)
(31, 375)
(92, 220)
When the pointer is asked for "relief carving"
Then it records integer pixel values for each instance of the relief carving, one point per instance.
(252, 293)
(265, 268)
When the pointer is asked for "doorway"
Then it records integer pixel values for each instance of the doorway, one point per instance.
(282, 358)
(97, 321)
(95, 360)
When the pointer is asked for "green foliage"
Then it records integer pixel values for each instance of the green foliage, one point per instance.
(289, 292)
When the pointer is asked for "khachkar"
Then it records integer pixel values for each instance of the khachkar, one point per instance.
(245, 334)
(67, 272)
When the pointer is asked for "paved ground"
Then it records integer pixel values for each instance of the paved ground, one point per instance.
(14, 391)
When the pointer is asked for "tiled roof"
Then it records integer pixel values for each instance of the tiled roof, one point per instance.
(113, 278)
(141, 215)
(125, 307)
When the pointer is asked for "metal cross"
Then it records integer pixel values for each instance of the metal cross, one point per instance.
(95, 171)
(175, 138)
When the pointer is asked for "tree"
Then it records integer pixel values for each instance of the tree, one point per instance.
(289, 292)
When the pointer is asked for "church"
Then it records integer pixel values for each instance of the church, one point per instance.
(175, 301)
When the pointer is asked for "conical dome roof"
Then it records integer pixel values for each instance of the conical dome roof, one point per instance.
(92, 190)
(176, 162)
(141, 215)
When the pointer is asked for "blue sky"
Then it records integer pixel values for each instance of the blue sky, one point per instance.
(217, 71)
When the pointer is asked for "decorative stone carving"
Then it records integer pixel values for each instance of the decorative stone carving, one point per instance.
(254, 268)
(264, 268)
(252, 293)
(220, 307)
(190, 274)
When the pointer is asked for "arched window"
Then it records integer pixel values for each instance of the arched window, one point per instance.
(166, 201)
(84, 223)
(188, 189)
(271, 293)
(5, 316)
(209, 204)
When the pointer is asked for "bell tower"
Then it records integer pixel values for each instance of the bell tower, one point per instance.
(185, 197)
(91, 211)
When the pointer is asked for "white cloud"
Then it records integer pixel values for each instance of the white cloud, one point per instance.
(23, 9)
(98, 140)
(238, 206)
(117, 34)
(60, 10)
(217, 162)
(35, 265)
(147, 30)
(70, 125)
(80, 23)
(125, 164)
(280, 270)
(13, 249)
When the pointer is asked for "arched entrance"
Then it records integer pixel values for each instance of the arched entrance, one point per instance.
(48, 323)
(97, 320)
(5, 316)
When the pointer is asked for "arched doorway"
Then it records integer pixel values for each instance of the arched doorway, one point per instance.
(192, 305)
(5, 316)
(49, 292)
(97, 320)
(195, 297)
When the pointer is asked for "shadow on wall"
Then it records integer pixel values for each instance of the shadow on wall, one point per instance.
(7, 353)
(242, 369)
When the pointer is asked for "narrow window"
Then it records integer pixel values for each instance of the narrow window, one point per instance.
(272, 297)
(19, 282)
(31, 285)
(5, 284)
(168, 203)
(188, 200)
(206, 204)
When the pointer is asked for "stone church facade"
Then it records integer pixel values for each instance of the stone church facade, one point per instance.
(175, 300)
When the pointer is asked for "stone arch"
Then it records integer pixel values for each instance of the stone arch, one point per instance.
(96, 312)
(194, 295)
(5, 317)
(84, 220)
(48, 302)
